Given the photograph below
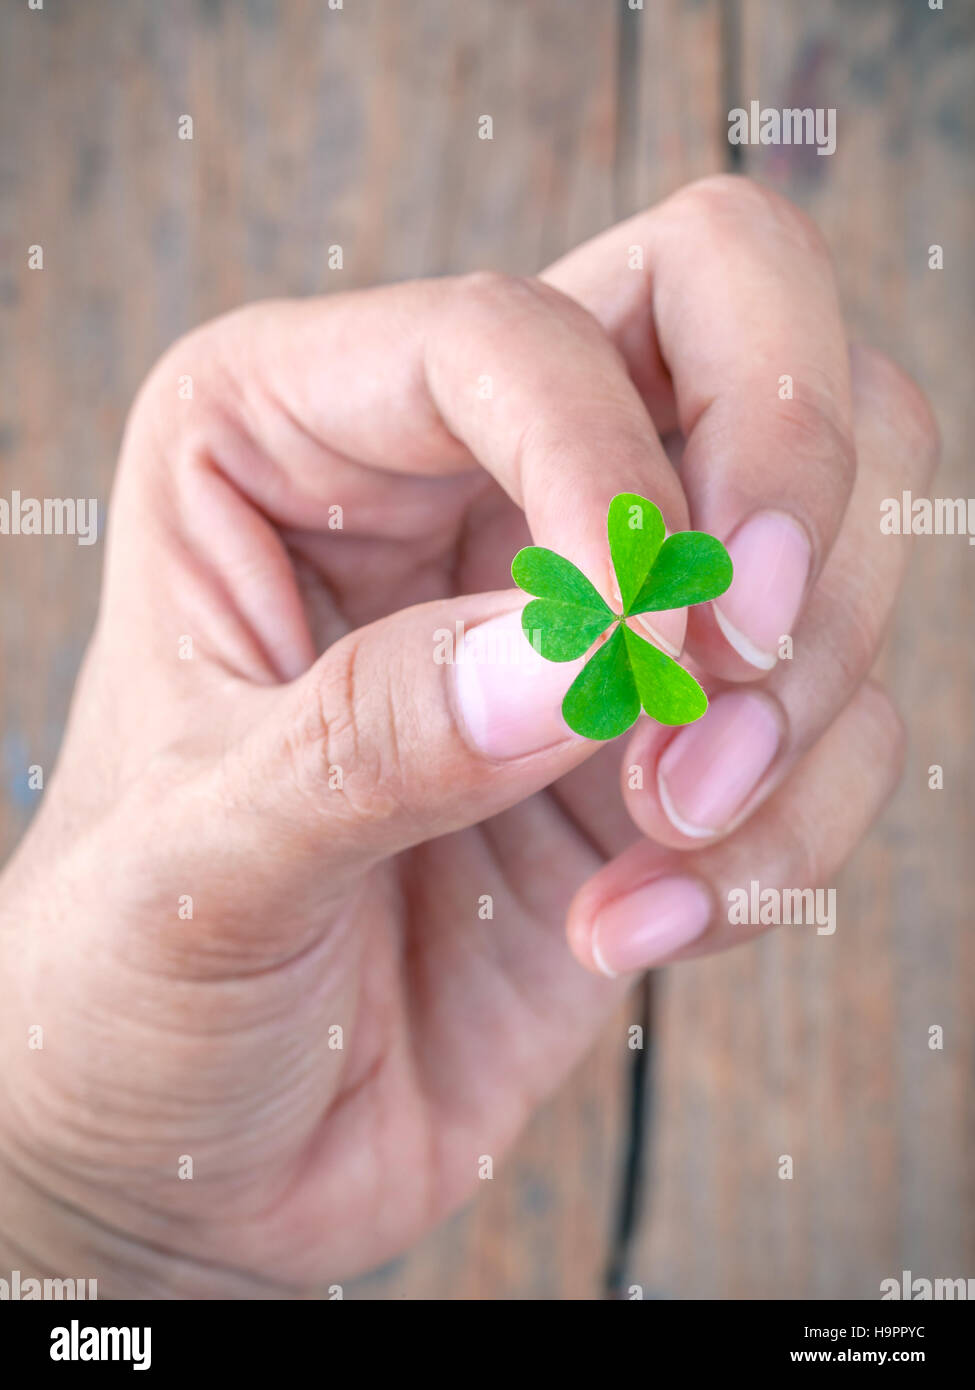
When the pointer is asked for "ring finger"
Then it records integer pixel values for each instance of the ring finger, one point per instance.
(652, 905)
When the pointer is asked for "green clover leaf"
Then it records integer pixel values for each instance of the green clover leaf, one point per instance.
(625, 673)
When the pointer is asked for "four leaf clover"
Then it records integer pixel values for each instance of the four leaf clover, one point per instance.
(567, 615)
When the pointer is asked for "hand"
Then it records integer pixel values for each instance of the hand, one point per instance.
(280, 822)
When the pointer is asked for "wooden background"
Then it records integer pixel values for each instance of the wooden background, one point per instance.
(358, 127)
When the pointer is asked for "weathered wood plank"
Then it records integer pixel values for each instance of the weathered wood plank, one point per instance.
(819, 1047)
(358, 128)
(671, 118)
(311, 128)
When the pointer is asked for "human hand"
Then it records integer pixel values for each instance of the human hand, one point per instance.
(261, 727)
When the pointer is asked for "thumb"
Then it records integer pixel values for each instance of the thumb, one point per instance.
(420, 724)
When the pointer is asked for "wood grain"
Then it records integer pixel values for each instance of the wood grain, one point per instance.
(311, 128)
(358, 128)
(819, 1048)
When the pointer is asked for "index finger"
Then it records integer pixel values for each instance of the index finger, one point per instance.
(338, 395)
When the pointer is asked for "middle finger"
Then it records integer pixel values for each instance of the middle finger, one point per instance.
(702, 781)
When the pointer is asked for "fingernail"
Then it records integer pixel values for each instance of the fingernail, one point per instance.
(508, 696)
(648, 925)
(708, 771)
(771, 555)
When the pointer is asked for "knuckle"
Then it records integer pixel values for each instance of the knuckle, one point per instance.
(503, 298)
(212, 353)
(853, 645)
(874, 739)
(184, 356)
(198, 359)
(812, 433)
(885, 724)
(901, 402)
(800, 842)
(737, 198)
(492, 289)
(335, 766)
